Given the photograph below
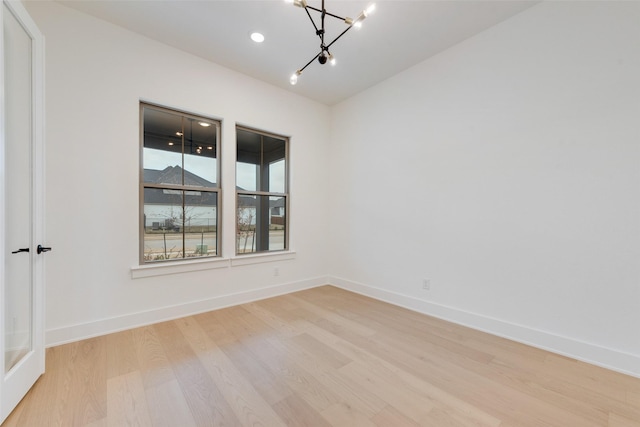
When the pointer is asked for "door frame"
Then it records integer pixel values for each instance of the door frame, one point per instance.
(15, 384)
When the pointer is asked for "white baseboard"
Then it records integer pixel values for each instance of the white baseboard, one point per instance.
(586, 352)
(597, 355)
(73, 333)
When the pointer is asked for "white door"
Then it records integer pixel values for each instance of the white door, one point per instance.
(21, 207)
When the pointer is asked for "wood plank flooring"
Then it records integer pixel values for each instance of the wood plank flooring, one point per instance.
(320, 357)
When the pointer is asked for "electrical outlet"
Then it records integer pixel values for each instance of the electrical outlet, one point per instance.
(276, 271)
(426, 284)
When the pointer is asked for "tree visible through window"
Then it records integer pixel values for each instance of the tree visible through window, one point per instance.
(179, 185)
(261, 192)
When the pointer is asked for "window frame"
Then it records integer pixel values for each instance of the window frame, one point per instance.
(286, 194)
(184, 188)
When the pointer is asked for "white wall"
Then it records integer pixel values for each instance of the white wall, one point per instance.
(96, 74)
(506, 170)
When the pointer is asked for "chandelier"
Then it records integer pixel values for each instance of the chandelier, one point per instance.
(324, 55)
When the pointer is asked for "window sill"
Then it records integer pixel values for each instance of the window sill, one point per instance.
(164, 268)
(260, 258)
(161, 269)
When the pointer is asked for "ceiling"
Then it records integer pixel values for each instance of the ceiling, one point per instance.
(398, 35)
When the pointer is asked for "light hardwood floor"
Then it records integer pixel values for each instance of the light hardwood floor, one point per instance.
(321, 357)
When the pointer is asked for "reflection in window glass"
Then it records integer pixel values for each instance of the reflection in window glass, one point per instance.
(179, 152)
(200, 162)
(162, 146)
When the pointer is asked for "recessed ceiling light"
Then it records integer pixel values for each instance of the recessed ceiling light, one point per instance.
(204, 124)
(257, 37)
(170, 143)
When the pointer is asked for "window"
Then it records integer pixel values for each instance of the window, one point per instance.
(261, 192)
(179, 185)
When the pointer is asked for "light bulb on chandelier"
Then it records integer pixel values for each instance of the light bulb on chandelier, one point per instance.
(294, 77)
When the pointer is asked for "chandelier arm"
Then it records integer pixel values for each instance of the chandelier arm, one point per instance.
(322, 16)
(309, 63)
(328, 13)
(306, 9)
(341, 34)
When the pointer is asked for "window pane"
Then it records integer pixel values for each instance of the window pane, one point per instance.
(200, 223)
(162, 152)
(248, 152)
(246, 224)
(277, 177)
(246, 176)
(273, 177)
(277, 223)
(174, 232)
(163, 224)
(200, 153)
(261, 223)
(261, 162)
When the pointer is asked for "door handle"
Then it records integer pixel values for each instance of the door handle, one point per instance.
(20, 250)
(42, 249)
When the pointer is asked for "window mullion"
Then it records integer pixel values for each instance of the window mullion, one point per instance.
(262, 193)
(184, 195)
